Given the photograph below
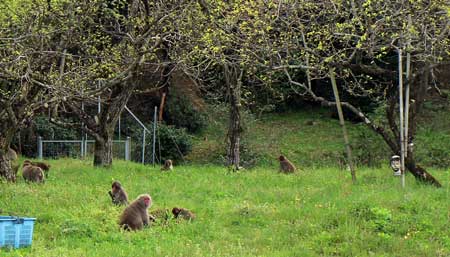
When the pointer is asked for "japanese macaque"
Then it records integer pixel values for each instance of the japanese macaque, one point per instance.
(135, 216)
(183, 213)
(167, 165)
(32, 173)
(118, 194)
(285, 165)
(44, 166)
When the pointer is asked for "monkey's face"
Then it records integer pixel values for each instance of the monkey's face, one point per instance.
(116, 186)
(147, 201)
(281, 158)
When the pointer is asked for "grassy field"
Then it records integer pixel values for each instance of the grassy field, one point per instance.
(257, 212)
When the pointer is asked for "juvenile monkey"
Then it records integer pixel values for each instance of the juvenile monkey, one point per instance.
(183, 213)
(285, 165)
(167, 165)
(135, 216)
(32, 173)
(118, 194)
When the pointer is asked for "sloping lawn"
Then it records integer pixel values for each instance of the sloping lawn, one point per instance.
(256, 212)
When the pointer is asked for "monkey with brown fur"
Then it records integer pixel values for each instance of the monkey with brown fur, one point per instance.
(183, 213)
(135, 216)
(167, 165)
(44, 166)
(32, 173)
(285, 165)
(118, 194)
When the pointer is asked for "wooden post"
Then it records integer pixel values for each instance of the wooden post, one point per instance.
(342, 123)
(161, 106)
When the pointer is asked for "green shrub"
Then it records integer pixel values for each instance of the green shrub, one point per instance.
(41, 126)
(181, 113)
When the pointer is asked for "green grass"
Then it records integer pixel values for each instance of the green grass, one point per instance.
(319, 145)
(258, 212)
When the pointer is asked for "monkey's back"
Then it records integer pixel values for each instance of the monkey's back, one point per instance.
(31, 173)
(287, 167)
(132, 217)
(121, 197)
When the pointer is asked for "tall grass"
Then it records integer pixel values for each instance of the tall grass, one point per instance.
(258, 212)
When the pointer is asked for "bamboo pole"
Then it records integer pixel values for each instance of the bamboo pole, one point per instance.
(342, 123)
(161, 106)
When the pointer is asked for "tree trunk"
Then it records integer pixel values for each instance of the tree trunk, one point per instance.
(234, 136)
(103, 152)
(233, 77)
(8, 127)
(6, 170)
(419, 172)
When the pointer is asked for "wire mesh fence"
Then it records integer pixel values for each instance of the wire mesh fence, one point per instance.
(54, 149)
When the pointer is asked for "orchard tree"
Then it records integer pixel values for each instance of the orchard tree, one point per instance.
(28, 70)
(223, 37)
(57, 54)
(128, 36)
(361, 41)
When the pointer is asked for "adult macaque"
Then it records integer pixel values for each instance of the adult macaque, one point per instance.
(32, 173)
(285, 165)
(135, 216)
(118, 194)
(167, 165)
(183, 213)
(44, 166)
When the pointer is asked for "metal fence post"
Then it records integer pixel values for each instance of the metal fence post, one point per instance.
(39, 147)
(154, 136)
(143, 148)
(85, 147)
(82, 147)
(127, 149)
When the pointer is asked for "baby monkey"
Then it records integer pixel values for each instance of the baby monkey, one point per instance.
(183, 213)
